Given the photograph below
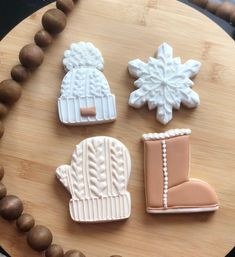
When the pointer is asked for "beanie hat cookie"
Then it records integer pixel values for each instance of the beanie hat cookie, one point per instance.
(85, 94)
(97, 180)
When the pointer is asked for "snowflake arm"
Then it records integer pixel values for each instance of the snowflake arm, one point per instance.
(164, 113)
(190, 98)
(165, 52)
(191, 68)
(137, 68)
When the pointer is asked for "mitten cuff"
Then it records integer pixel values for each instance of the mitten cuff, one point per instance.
(105, 208)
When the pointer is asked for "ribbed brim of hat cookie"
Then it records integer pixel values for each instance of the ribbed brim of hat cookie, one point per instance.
(70, 109)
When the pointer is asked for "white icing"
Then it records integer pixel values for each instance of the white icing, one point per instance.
(164, 83)
(85, 86)
(167, 134)
(165, 174)
(97, 180)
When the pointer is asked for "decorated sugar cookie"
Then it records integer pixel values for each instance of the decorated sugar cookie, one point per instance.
(85, 94)
(97, 180)
(168, 187)
(164, 83)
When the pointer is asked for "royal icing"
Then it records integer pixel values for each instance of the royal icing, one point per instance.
(164, 83)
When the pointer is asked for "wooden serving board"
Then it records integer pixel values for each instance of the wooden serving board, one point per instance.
(35, 142)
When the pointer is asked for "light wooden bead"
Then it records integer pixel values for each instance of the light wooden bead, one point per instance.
(19, 73)
(54, 251)
(225, 10)
(2, 172)
(212, 6)
(42, 38)
(31, 56)
(74, 253)
(10, 91)
(25, 222)
(65, 6)
(39, 238)
(54, 21)
(201, 3)
(11, 207)
(3, 191)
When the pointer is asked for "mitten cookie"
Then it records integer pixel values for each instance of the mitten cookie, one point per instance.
(85, 94)
(169, 188)
(164, 83)
(97, 180)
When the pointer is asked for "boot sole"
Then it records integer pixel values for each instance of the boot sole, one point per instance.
(183, 210)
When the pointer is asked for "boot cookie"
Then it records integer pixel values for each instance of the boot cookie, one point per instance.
(168, 186)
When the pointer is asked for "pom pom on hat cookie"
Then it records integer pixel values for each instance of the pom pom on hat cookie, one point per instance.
(85, 94)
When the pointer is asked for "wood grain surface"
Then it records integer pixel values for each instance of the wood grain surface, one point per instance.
(35, 142)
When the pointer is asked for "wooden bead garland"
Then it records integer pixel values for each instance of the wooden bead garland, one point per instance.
(11, 207)
(2, 172)
(31, 56)
(25, 222)
(201, 3)
(2, 129)
(54, 251)
(212, 6)
(42, 38)
(54, 21)
(3, 110)
(10, 91)
(19, 73)
(74, 253)
(39, 238)
(65, 6)
(232, 18)
(3, 191)
(225, 10)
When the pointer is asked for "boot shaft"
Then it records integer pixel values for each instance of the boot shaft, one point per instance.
(166, 160)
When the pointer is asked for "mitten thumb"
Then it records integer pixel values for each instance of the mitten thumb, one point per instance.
(62, 173)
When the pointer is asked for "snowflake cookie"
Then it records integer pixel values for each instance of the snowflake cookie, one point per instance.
(97, 180)
(163, 82)
(85, 93)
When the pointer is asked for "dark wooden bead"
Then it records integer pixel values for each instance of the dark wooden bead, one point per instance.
(39, 238)
(225, 10)
(212, 6)
(42, 38)
(11, 207)
(3, 191)
(2, 129)
(54, 251)
(31, 56)
(25, 222)
(74, 253)
(10, 91)
(54, 21)
(201, 3)
(19, 73)
(65, 6)
(2, 172)
(3, 110)
(232, 18)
